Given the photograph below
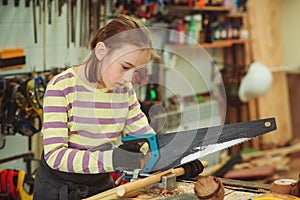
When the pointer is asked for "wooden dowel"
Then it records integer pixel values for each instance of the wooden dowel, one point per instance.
(132, 189)
(155, 178)
(133, 193)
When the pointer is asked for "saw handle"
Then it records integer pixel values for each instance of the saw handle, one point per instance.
(152, 142)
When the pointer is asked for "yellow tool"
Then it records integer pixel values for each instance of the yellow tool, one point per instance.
(274, 196)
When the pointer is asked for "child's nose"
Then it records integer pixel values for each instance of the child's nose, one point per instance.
(128, 75)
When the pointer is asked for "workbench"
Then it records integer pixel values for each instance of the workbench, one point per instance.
(234, 190)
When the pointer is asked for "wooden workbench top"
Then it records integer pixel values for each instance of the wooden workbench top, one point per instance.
(234, 190)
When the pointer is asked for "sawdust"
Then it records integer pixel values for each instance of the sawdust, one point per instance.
(157, 192)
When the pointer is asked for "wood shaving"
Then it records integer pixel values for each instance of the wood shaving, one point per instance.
(157, 192)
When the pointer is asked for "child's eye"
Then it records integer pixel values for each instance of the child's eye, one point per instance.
(125, 68)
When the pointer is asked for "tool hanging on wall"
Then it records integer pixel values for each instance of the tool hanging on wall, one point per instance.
(93, 15)
(3, 85)
(21, 105)
(2, 141)
(39, 4)
(73, 20)
(17, 3)
(27, 3)
(68, 22)
(82, 22)
(12, 58)
(49, 11)
(34, 20)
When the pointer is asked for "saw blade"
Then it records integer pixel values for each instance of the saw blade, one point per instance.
(181, 147)
(206, 150)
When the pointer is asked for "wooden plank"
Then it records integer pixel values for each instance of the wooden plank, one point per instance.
(294, 82)
(252, 104)
(244, 184)
(251, 173)
(283, 151)
(264, 22)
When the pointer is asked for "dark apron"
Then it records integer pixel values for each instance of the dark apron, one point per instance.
(50, 184)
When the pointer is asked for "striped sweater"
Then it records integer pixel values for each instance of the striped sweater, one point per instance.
(78, 117)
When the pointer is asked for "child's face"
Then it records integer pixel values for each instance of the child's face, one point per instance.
(120, 64)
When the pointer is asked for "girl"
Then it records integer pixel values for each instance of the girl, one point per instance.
(91, 105)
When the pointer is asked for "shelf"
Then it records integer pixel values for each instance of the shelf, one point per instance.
(215, 44)
(184, 10)
(200, 9)
(236, 15)
(223, 43)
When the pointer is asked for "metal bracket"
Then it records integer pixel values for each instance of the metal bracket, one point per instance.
(168, 182)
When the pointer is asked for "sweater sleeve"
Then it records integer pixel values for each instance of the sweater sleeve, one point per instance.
(57, 152)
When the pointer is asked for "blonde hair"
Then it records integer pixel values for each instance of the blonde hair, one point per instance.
(121, 30)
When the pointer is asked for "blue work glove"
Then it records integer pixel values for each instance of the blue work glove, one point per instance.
(191, 169)
(127, 157)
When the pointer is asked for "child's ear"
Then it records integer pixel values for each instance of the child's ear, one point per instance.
(100, 50)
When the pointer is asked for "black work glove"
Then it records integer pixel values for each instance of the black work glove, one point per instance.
(191, 169)
(127, 157)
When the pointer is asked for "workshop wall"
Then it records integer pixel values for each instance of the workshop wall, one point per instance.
(290, 28)
(17, 30)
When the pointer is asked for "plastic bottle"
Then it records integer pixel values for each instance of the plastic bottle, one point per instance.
(235, 8)
(172, 37)
(200, 3)
(198, 22)
(187, 21)
(227, 3)
(217, 33)
(180, 35)
(192, 33)
(236, 31)
(229, 30)
(208, 31)
(223, 32)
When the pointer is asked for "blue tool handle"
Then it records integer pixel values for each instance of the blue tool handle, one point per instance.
(38, 80)
(152, 141)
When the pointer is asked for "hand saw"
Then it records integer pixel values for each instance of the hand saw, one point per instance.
(174, 149)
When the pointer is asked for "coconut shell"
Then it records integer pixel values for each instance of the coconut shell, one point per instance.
(285, 186)
(209, 187)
